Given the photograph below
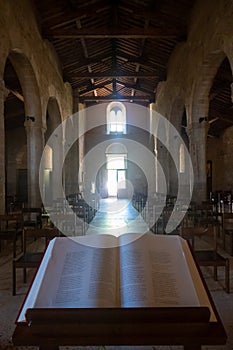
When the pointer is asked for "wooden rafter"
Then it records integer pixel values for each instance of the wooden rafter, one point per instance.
(118, 97)
(112, 75)
(119, 33)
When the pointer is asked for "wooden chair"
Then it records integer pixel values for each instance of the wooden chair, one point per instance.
(68, 224)
(208, 256)
(31, 258)
(227, 228)
(32, 217)
(11, 227)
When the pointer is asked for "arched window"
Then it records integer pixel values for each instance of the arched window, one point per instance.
(116, 118)
(182, 158)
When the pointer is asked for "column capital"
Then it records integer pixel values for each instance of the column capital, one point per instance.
(30, 123)
(201, 125)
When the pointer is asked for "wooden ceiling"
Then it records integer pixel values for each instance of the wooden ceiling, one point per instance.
(119, 50)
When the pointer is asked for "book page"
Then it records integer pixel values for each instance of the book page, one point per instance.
(30, 299)
(154, 272)
(77, 275)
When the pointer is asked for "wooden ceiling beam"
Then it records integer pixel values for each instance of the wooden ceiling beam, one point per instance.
(93, 87)
(119, 33)
(134, 87)
(142, 60)
(17, 94)
(118, 97)
(112, 75)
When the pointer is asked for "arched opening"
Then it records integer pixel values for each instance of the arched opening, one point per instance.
(52, 157)
(23, 109)
(198, 118)
(220, 134)
(116, 165)
(16, 183)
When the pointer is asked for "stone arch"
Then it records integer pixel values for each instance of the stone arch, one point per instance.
(116, 148)
(28, 82)
(197, 121)
(202, 86)
(33, 121)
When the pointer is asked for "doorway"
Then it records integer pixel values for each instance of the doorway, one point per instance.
(116, 182)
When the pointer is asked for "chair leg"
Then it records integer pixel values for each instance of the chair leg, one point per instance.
(14, 279)
(223, 240)
(24, 275)
(231, 243)
(227, 275)
(215, 272)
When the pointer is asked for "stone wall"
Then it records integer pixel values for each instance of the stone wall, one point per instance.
(191, 71)
(39, 72)
(190, 74)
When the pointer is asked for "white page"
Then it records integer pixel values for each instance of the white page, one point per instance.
(154, 272)
(79, 276)
(72, 274)
(35, 287)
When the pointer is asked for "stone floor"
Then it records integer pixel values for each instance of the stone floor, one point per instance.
(9, 305)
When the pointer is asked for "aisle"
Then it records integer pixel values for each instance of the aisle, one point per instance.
(117, 216)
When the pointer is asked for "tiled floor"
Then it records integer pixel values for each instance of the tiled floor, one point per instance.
(114, 217)
(117, 217)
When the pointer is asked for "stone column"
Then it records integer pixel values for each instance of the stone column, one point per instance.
(57, 165)
(153, 140)
(81, 147)
(3, 95)
(35, 144)
(197, 132)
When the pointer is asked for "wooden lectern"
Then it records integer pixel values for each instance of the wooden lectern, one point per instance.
(190, 326)
(50, 328)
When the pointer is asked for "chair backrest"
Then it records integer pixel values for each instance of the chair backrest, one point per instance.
(66, 223)
(190, 233)
(227, 221)
(11, 221)
(32, 215)
(35, 233)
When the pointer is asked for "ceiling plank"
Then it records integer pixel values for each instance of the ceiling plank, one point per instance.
(86, 61)
(72, 16)
(120, 33)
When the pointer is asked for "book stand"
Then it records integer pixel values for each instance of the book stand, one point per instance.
(187, 326)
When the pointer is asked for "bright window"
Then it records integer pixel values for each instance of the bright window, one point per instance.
(182, 159)
(116, 118)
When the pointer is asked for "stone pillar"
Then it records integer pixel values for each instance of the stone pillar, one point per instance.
(35, 144)
(57, 165)
(153, 140)
(197, 132)
(81, 147)
(3, 95)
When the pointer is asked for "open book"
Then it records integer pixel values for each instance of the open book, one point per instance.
(151, 271)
